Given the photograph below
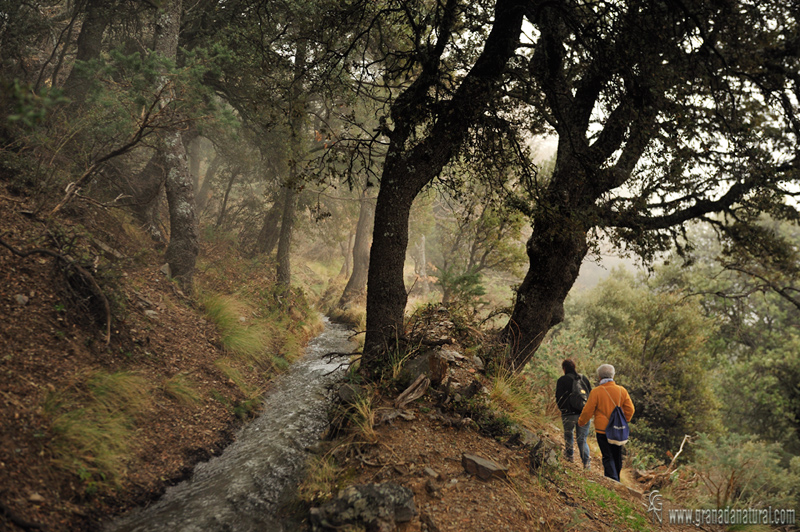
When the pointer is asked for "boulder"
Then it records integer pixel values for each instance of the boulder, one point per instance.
(377, 507)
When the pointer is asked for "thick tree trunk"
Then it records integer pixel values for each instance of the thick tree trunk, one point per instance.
(90, 45)
(183, 245)
(555, 255)
(297, 111)
(270, 231)
(357, 283)
(290, 197)
(386, 291)
(347, 255)
(407, 170)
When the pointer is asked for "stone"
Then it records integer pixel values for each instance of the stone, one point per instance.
(35, 498)
(166, 270)
(21, 299)
(432, 473)
(482, 468)
(428, 521)
(543, 453)
(151, 313)
(438, 365)
(377, 507)
(350, 393)
(433, 489)
(478, 363)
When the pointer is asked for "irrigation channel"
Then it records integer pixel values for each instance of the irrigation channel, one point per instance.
(242, 488)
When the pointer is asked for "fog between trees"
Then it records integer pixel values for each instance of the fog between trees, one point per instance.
(395, 137)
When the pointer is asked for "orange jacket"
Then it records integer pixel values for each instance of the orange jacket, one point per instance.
(601, 403)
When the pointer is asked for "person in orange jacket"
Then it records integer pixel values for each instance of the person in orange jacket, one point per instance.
(601, 402)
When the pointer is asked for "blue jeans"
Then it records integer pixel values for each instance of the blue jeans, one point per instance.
(571, 424)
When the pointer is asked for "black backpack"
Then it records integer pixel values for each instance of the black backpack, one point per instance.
(579, 394)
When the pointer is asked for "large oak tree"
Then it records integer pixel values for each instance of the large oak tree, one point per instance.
(665, 112)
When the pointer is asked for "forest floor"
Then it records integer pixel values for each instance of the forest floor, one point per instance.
(422, 449)
(54, 363)
(54, 360)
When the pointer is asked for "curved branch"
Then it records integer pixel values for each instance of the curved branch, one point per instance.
(78, 268)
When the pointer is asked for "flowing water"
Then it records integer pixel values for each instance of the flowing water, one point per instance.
(241, 489)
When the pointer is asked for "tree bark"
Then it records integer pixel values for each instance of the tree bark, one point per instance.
(270, 231)
(407, 170)
(291, 195)
(90, 45)
(347, 254)
(555, 254)
(421, 268)
(183, 244)
(357, 283)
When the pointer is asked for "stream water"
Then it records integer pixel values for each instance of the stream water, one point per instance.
(241, 489)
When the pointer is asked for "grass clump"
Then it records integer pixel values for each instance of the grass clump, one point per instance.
(180, 388)
(625, 514)
(363, 417)
(320, 481)
(239, 335)
(93, 425)
(511, 394)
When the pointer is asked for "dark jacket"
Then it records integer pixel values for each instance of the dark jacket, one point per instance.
(564, 388)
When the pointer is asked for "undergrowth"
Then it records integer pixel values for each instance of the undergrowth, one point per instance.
(94, 425)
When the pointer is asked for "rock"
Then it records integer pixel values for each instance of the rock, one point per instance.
(151, 313)
(438, 365)
(433, 489)
(35, 498)
(543, 452)
(428, 521)
(482, 468)
(377, 507)
(450, 355)
(350, 393)
(478, 363)
(165, 269)
(21, 299)
(432, 473)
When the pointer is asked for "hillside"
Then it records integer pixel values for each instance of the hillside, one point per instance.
(422, 445)
(91, 429)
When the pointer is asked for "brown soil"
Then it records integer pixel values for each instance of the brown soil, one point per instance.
(425, 455)
(48, 346)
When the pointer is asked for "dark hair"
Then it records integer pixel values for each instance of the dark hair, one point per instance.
(568, 365)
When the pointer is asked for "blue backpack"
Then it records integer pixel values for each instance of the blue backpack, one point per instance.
(617, 430)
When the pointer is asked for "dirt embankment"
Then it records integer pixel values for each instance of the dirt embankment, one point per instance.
(87, 427)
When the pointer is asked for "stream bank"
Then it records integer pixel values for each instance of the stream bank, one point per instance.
(243, 488)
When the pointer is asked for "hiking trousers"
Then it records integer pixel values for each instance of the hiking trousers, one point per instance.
(612, 457)
(570, 422)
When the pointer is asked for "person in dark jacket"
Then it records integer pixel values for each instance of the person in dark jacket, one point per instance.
(569, 415)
